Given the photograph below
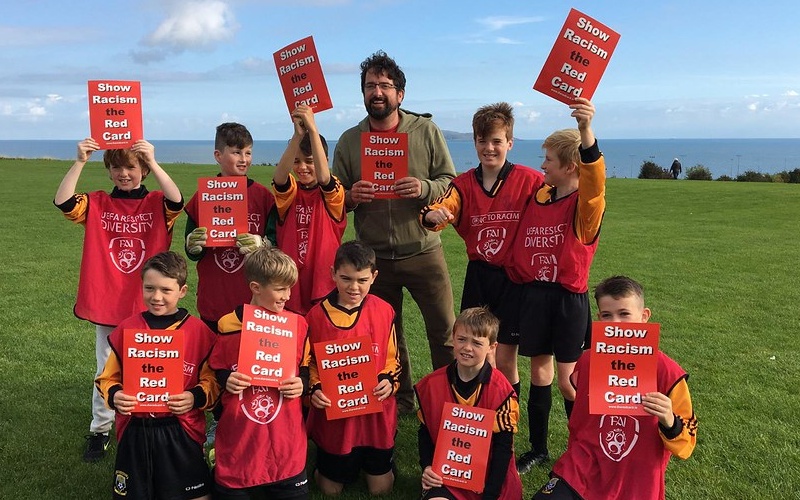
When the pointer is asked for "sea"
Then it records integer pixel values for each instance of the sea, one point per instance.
(624, 157)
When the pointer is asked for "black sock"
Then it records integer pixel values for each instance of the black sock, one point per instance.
(540, 400)
(568, 407)
(517, 387)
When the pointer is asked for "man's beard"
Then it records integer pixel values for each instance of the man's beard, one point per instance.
(380, 114)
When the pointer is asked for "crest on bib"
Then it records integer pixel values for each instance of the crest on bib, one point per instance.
(126, 253)
(618, 435)
(262, 404)
(490, 241)
(228, 259)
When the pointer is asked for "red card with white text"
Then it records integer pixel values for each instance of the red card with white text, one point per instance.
(115, 113)
(268, 346)
(301, 77)
(348, 375)
(462, 447)
(222, 208)
(578, 59)
(153, 367)
(384, 160)
(623, 367)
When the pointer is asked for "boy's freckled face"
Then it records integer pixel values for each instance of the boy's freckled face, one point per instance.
(126, 177)
(352, 284)
(470, 351)
(234, 161)
(304, 170)
(627, 309)
(272, 297)
(493, 149)
(161, 293)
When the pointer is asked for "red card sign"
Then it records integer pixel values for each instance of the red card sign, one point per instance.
(348, 375)
(267, 349)
(462, 446)
(222, 208)
(115, 113)
(300, 74)
(578, 59)
(153, 367)
(623, 367)
(384, 160)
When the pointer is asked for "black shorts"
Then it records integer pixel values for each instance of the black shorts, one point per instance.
(556, 489)
(488, 285)
(295, 487)
(345, 469)
(554, 320)
(156, 458)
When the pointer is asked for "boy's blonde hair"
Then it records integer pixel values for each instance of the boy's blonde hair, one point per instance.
(618, 287)
(270, 266)
(497, 116)
(565, 144)
(125, 158)
(480, 322)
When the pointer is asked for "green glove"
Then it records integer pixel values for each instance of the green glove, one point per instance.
(196, 240)
(249, 242)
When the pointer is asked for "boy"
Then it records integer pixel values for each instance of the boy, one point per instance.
(123, 229)
(220, 279)
(160, 455)
(311, 214)
(261, 437)
(484, 206)
(470, 380)
(365, 442)
(556, 240)
(589, 469)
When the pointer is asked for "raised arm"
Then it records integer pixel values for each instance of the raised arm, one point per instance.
(66, 189)
(168, 186)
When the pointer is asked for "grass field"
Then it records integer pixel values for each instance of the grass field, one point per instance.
(719, 261)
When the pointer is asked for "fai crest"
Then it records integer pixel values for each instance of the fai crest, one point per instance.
(490, 242)
(618, 435)
(546, 266)
(228, 259)
(261, 404)
(126, 253)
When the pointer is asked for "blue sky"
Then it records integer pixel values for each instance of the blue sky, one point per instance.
(682, 69)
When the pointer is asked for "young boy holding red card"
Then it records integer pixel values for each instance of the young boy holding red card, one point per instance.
(625, 457)
(550, 258)
(470, 380)
(123, 229)
(261, 439)
(161, 454)
(221, 285)
(484, 206)
(346, 446)
(310, 207)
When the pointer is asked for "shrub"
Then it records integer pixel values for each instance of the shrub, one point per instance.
(726, 178)
(791, 176)
(753, 176)
(698, 173)
(651, 170)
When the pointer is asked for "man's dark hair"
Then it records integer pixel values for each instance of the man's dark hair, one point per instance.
(305, 145)
(380, 63)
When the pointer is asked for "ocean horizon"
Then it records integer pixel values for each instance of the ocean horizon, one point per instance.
(624, 157)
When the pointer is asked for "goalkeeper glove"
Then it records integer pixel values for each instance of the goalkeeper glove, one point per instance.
(196, 240)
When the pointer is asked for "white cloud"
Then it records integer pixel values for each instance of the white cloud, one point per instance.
(53, 98)
(791, 93)
(190, 25)
(532, 116)
(495, 23)
(506, 41)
